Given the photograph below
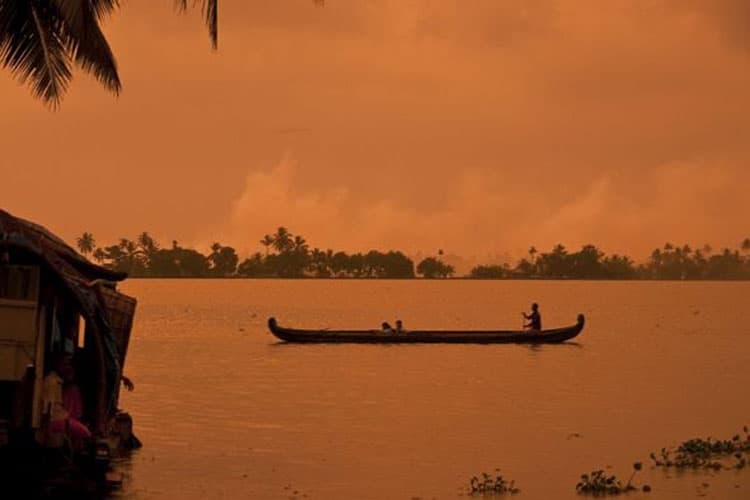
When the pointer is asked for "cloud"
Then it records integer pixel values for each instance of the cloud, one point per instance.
(479, 221)
(477, 127)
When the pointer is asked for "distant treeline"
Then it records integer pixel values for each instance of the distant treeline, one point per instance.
(289, 256)
(286, 256)
(667, 263)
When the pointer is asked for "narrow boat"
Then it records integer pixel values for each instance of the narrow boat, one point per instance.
(553, 336)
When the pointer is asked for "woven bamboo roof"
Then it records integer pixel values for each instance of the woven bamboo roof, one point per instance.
(21, 231)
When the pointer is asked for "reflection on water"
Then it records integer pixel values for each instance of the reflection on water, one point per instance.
(225, 411)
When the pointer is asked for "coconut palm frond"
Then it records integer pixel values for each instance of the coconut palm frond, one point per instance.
(103, 7)
(211, 14)
(33, 46)
(87, 43)
(210, 10)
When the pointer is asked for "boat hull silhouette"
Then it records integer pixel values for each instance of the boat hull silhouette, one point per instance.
(553, 336)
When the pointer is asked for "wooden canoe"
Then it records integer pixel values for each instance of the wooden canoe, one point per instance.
(554, 336)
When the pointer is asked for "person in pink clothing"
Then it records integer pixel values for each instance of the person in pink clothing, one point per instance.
(72, 400)
(63, 406)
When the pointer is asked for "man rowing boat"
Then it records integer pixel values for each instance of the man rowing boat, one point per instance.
(535, 319)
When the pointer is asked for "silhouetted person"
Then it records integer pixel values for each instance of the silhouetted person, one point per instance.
(62, 406)
(399, 326)
(386, 328)
(535, 319)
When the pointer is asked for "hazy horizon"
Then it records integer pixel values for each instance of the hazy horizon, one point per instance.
(478, 129)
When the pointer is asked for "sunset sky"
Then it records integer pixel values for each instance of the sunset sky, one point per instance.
(480, 127)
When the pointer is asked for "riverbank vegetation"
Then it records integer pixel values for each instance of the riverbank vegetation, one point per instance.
(287, 255)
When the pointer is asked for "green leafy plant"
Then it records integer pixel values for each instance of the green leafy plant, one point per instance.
(489, 484)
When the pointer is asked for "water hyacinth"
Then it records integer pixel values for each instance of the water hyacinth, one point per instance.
(706, 453)
(490, 484)
(597, 483)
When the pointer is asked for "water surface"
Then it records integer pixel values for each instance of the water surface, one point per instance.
(225, 411)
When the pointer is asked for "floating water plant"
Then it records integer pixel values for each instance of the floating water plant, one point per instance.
(706, 453)
(490, 484)
(597, 483)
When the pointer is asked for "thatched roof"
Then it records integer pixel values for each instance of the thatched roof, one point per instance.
(20, 231)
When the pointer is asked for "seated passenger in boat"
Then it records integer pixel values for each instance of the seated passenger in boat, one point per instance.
(399, 326)
(386, 328)
(63, 406)
(535, 319)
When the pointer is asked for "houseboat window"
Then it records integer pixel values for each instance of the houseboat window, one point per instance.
(19, 283)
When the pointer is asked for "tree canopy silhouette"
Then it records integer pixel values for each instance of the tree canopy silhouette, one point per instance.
(289, 255)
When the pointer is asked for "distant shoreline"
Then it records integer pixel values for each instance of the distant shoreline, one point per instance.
(288, 256)
(454, 278)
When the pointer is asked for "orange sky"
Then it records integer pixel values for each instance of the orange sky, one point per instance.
(478, 127)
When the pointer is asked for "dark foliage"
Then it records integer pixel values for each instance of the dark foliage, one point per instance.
(667, 263)
(597, 483)
(491, 485)
(706, 453)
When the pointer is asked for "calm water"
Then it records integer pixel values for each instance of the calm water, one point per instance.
(225, 411)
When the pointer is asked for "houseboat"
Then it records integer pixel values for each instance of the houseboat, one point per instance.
(56, 305)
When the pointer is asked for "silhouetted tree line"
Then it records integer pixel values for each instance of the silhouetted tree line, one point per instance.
(668, 263)
(144, 257)
(286, 256)
(289, 256)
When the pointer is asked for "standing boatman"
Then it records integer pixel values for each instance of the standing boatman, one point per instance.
(535, 319)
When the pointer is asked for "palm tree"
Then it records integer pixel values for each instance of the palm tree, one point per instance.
(86, 243)
(532, 253)
(299, 244)
(99, 255)
(40, 40)
(147, 244)
(132, 256)
(267, 242)
(282, 240)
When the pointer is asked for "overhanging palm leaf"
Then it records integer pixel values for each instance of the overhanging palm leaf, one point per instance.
(210, 10)
(86, 42)
(39, 40)
(33, 45)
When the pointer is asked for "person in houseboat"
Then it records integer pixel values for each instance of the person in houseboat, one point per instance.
(386, 327)
(63, 406)
(535, 318)
(399, 326)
